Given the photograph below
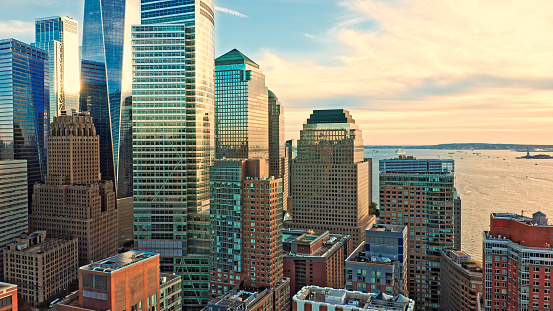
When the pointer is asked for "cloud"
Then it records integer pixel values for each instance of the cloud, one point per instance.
(309, 36)
(16, 27)
(448, 65)
(229, 11)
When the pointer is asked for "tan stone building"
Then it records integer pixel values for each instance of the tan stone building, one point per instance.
(461, 280)
(330, 179)
(41, 267)
(74, 202)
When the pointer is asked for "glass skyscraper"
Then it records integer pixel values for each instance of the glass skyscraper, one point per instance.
(173, 138)
(241, 108)
(420, 194)
(59, 36)
(24, 102)
(103, 90)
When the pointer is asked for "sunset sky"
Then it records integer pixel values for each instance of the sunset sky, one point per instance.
(409, 71)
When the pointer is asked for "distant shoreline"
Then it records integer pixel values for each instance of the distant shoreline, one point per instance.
(475, 146)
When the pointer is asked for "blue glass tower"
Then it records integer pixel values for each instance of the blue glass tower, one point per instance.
(59, 36)
(24, 102)
(102, 76)
(173, 138)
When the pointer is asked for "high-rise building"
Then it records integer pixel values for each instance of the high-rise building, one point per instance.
(278, 159)
(13, 203)
(41, 267)
(241, 108)
(106, 87)
(251, 299)
(315, 258)
(326, 298)
(246, 222)
(291, 144)
(518, 262)
(8, 297)
(59, 37)
(173, 112)
(461, 280)
(74, 202)
(25, 101)
(457, 213)
(420, 194)
(329, 178)
(379, 264)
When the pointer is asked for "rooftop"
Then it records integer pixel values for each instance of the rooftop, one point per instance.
(360, 256)
(387, 228)
(294, 238)
(537, 219)
(4, 286)
(234, 57)
(330, 116)
(119, 261)
(354, 300)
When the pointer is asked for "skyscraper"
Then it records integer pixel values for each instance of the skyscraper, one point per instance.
(461, 280)
(278, 159)
(420, 194)
(329, 178)
(74, 202)
(103, 88)
(246, 222)
(241, 108)
(24, 100)
(59, 37)
(174, 137)
(518, 262)
(14, 206)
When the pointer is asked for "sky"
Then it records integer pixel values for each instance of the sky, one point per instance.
(409, 71)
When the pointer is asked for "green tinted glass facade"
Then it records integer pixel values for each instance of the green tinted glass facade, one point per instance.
(241, 109)
(173, 138)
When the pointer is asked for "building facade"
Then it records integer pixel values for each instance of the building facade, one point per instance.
(173, 113)
(8, 297)
(328, 299)
(329, 178)
(24, 100)
(59, 37)
(41, 267)
(315, 258)
(379, 264)
(74, 202)
(420, 194)
(170, 292)
(126, 281)
(13, 203)
(461, 279)
(246, 222)
(518, 262)
(241, 108)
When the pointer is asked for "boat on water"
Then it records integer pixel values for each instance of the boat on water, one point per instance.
(400, 152)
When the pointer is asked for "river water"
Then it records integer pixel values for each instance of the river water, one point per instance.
(491, 181)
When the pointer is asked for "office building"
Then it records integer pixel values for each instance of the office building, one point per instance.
(278, 160)
(126, 281)
(241, 108)
(8, 297)
(315, 258)
(461, 279)
(329, 178)
(59, 37)
(379, 264)
(41, 267)
(457, 214)
(291, 144)
(170, 292)
(246, 222)
(174, 138)
(326, 299)
(249, 299)
(74, 202)
(370, 167)
(420, 194)
(13, 203)
(25, 101)
(518, 261)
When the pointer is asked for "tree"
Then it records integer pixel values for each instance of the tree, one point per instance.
(374, 210)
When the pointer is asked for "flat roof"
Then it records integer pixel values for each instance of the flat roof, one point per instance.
(4, 286)
(389, 228)
(119, 261)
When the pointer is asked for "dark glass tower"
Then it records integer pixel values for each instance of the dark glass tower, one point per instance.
(102, 76)
(24, 103)
(173, 138)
